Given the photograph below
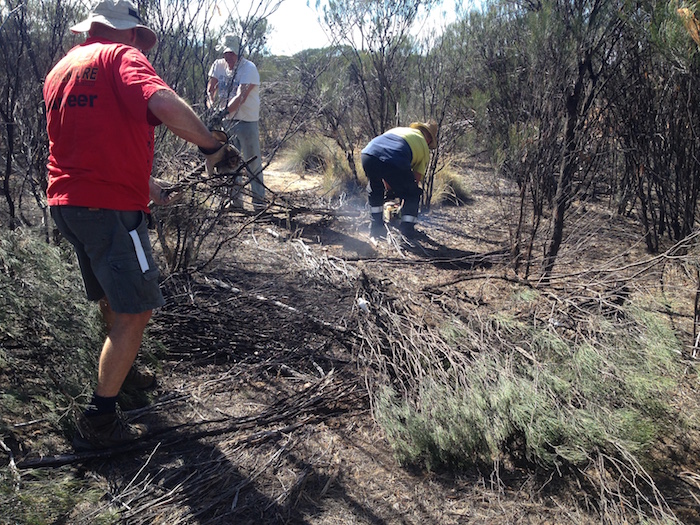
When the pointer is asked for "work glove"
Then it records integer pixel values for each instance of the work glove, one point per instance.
(225, 159)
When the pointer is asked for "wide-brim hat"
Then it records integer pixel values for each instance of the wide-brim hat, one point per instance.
(230, 43)
(118, 14)
(429, 127)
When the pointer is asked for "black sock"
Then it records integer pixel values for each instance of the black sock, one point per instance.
(101, 405)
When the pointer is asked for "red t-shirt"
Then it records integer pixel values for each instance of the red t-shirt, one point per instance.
(101, 132)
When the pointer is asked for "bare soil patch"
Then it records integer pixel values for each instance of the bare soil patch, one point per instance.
(282, 181)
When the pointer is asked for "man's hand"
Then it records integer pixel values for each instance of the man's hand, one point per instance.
(161, 192)
(225, 160)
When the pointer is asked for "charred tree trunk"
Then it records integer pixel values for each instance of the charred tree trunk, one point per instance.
(8, 174)
(562, 197)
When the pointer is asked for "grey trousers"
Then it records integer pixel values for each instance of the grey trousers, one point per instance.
(244, 136)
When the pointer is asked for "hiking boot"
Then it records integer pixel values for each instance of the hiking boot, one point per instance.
(105, 431)
(139, 379)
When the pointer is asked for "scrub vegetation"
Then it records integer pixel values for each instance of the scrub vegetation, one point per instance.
(529, 358)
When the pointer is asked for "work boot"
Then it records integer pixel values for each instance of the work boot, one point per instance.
(139, 379)
(408, 229)
(105, 431)
(377, 228)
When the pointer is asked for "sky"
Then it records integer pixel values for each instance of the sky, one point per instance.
(296, 27)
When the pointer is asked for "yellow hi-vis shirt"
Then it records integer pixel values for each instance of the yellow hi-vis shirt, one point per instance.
(405, 148)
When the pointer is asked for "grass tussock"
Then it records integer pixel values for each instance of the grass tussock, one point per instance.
(450, 188)
(322, 156)
(529, 392)
(50, 497)
(309, 155)
(338, 179)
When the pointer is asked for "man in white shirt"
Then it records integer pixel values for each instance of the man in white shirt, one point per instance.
(234, 88)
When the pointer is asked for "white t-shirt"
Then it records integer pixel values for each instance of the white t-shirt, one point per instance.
(229, 85)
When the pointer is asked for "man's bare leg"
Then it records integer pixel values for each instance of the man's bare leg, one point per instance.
(101, 426)
(140, 378)
(119, 351)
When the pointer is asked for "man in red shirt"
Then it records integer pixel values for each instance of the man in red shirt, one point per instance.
(103, 100)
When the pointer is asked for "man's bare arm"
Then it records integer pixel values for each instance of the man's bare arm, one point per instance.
(181, 119)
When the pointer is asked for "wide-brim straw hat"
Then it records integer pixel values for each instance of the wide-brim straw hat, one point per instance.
(119, 14)
(432, 130)
(230, 43)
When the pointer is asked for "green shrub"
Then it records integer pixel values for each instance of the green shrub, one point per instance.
(44, 313)
(51, 339)
(559, 400)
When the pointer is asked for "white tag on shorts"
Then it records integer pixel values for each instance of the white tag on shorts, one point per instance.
(140, 254)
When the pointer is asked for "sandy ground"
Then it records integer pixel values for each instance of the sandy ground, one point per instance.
(279, 180)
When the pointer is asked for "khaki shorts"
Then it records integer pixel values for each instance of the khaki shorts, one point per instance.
(114, 254)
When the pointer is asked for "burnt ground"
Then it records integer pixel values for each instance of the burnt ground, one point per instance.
(261, 413)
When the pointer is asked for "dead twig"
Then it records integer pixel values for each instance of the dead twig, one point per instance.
(316, 403)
